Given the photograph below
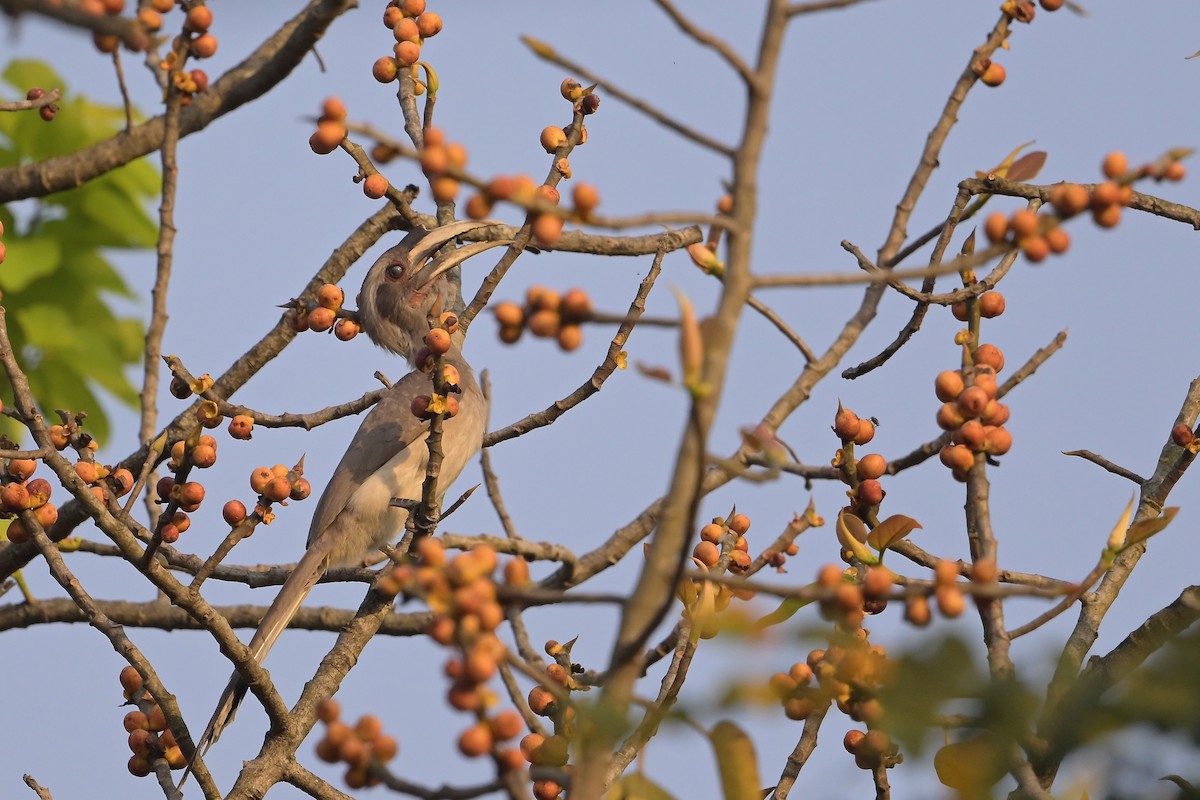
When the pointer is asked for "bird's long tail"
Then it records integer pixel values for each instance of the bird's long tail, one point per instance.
(291, 595)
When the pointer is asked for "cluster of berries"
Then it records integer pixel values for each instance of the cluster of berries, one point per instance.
(546, 314)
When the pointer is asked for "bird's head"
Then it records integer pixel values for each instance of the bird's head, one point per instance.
(408, 286)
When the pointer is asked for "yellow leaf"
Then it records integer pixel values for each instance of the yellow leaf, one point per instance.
(691, 343)
(1141, 531)
(1117, 538)
(539, 47)
(846, 525)
(736, 762)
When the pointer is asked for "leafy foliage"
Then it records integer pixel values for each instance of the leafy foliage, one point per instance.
(56, 277)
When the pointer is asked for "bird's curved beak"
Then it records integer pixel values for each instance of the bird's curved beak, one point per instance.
(433, 241)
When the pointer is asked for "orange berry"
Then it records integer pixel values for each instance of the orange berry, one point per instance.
(1115, 165)
(1174, 172)
(576, 305)
(331, 296)
(328, 136)
(374, 186)
(1105, 194)
(150, 19)
(333, 108)
(1035, 248)
(1107, 216)
(950, 601)
(539, 297)
(405, 30)
(991, 304)
(544, 323)
(994, 413)
(585, 198)
(204, 46)
(708, 553)
(429, 24)
(385, 69)
(1024, 223)
(547, 229)
(972, 434)
(438, 340)
(972, 401)
(552, 138)
(570, 337)
(541, 701)
(321, 319)
(199, 19)
(479, 205)
(866, 432)
(407, 53)
(994, 75)
(957, 456)
(871, 466)
(509, 314)
(1069, 199)
(845, 424)
(443, 189)
(870, 493)
(996, 226)
(948, 385)
(988, 355)
(233, 513)
(997, 440)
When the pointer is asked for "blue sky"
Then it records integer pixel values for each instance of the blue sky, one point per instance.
(857, 93)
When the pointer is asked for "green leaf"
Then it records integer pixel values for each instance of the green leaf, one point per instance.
(923, 681)
(29, 259)
(56, 278)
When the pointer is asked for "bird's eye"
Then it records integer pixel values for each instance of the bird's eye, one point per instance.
(394, 272)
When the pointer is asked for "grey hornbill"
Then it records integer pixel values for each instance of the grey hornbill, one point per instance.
(388, 457)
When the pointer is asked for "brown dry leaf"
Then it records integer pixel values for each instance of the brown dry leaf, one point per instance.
(654, 373)
(891, 530)
(1027, 166)
(1003, 167)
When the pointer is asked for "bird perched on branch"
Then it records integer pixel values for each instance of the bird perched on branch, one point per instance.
(401, 297)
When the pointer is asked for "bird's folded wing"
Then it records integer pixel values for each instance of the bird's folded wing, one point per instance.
(388, 429)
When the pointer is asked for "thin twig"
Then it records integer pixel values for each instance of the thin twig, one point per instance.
(599, 375)
(162, 279)
(125, 101)
(710, 41)
(822, 5)
(1115, 469)
(800, 753)
(489, 475)
(547, 53)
